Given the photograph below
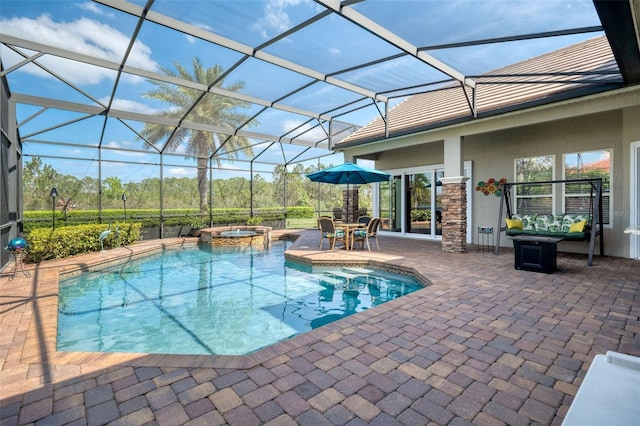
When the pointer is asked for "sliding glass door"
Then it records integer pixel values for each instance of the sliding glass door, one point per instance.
(423, 213)
(390, 208)
(411, 203)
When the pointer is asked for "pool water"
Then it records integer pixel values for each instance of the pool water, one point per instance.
(203, 300)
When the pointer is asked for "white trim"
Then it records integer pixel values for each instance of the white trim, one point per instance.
(468, 172)
(455, 179)
(634, 204)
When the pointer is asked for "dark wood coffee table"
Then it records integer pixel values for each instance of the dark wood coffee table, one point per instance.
(536, 253)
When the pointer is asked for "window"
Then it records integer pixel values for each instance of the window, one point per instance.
(585, 165)
(534, 199)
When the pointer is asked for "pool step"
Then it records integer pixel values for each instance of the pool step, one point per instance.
(332, 281)
(340, 274)
(358, 270)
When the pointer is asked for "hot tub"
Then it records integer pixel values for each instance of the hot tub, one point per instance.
(236, 236)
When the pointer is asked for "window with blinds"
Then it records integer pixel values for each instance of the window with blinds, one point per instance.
(534, 199)
(587, 165)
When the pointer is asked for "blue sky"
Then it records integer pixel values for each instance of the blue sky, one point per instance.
(328, 45)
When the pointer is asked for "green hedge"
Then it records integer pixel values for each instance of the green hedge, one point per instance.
(80, 231)
(151, 217)
(300, 213)
(420, 215)
(45, 244)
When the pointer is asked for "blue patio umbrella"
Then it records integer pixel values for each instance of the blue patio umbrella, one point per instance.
(349, 173)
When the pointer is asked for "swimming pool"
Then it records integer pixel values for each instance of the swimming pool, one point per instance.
(203, 300)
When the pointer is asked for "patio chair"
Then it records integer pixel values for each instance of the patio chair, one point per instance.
(364, 219)
(337, 214)
(371, 232)
(329, 231)
(323, 216)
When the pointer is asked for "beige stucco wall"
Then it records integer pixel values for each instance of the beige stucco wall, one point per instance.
(413, 156)
(603, 122)
(493, 155)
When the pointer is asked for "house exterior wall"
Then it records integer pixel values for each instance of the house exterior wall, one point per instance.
(609, 121)
(494, 155)
(412, 156)
(630, 135)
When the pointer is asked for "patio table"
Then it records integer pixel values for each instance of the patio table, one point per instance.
(348, 230)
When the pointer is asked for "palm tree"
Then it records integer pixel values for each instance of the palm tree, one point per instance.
(209, 108)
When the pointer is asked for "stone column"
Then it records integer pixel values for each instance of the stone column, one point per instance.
(454, 214)
(350, 197)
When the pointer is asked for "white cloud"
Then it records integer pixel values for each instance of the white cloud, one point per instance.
(181, 171)
(125, 144)
(182, 149)
(85, 36)
(203, 26)
(114, 145)
(276, 19)
(91, 7)
(74, 152)
(131, 106)
(191, 39)
(334, 51)
(312, 135)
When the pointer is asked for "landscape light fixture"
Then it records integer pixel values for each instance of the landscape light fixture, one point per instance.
(124, 202)
(53, 194)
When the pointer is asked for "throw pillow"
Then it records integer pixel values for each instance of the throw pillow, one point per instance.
(577, 227)
(571, 218)
(513, 223)
(543, 221)
(528, 221)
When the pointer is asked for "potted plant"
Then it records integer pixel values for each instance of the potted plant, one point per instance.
(196, 223)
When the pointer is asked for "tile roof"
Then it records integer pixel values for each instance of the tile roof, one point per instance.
(564, 73)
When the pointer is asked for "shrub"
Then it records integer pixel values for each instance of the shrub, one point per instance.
(45, 244)
(197, 222)
(255, 221)
(300, 212)
(420, 215)
(151, 217)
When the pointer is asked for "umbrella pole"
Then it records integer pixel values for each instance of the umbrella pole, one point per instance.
(348, 217)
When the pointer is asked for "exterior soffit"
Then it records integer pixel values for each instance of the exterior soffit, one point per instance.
(602, 102)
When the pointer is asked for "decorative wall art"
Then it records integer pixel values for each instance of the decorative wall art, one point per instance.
(491, 186)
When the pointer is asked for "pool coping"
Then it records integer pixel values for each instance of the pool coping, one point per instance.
(40, 343)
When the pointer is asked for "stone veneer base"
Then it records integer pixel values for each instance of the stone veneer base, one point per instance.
(214, 237)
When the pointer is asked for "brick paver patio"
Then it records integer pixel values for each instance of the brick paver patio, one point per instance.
(483, 344)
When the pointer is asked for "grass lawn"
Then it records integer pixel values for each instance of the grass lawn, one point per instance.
(302, 223)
